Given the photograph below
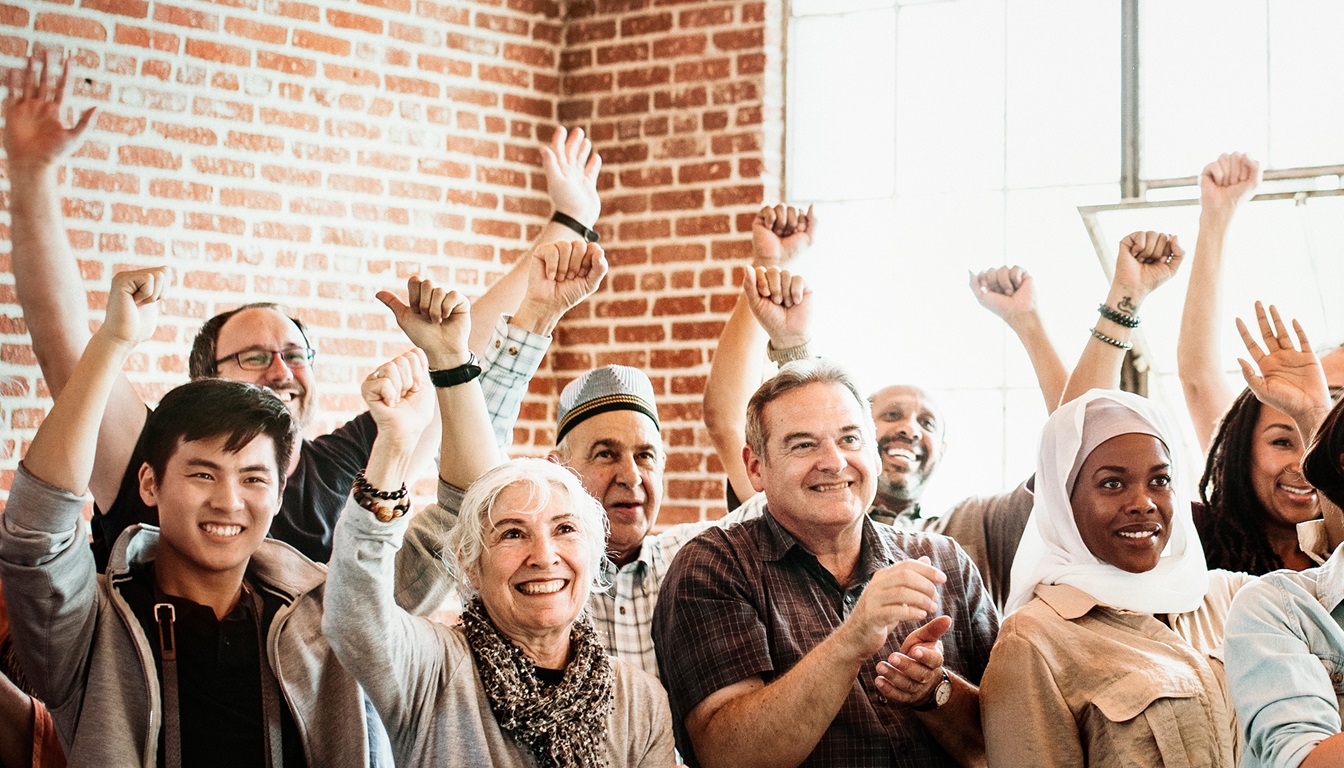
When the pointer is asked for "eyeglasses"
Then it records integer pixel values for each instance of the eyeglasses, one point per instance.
(261, 359)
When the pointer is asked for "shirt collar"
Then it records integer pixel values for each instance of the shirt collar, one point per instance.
(875, 553)
(1068, 601)
(1329, 589)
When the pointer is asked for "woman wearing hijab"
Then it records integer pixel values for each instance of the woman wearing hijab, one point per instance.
(1115, 622)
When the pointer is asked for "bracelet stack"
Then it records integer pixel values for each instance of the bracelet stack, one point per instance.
(786, 355)
(1118, 317)
(368, 497)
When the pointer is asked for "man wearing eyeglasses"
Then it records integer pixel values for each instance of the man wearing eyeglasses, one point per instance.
(260, 344)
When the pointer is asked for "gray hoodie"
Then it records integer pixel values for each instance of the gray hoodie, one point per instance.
(89, 660)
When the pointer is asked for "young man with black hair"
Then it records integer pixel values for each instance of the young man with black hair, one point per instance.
(201, 645)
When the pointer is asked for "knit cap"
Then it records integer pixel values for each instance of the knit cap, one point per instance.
(609, 388)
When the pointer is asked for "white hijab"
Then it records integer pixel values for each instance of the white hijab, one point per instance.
(1052, 551)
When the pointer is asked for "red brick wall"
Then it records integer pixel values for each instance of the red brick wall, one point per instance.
(315, 152)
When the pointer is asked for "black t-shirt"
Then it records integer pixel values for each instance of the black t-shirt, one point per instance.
(219, 678)
(315, 493)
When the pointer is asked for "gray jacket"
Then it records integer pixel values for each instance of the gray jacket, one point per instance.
(89, 660)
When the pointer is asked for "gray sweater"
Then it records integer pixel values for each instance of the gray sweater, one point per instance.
(422, 677)
(89, 660)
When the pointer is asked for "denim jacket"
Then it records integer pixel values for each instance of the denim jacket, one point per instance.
(1285, 662)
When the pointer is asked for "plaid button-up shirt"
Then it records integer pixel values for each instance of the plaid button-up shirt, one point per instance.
(750, 601)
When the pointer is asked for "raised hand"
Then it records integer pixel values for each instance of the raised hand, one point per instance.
(1146, 260)
(780, 301)
(559, 276)
(133, 305)
(1227, 182)
(1005, 291)
(906, 591)
(400, 398)
(1290, 379)
(780, 234)
(571, 168)
(435, 320)
(35, 135)
(910, 675)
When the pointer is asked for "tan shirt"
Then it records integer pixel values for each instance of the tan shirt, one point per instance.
(1073, 683)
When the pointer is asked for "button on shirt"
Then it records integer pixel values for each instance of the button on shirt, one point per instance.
(750, 601)
(1285, 662)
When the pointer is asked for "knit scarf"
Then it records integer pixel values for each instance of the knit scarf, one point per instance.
(563, 725)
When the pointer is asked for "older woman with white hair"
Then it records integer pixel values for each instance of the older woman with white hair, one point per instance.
(522, 681)
(1109, 656)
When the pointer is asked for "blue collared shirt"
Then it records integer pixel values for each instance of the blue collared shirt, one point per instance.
(1285, 662)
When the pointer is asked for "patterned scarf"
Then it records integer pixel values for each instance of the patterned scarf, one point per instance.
(563, 725)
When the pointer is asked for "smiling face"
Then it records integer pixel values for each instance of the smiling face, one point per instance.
(1122, 501)
(910, 442)
(261, 328)
(1276, 470)
(214, 506)
(819, 468)
(618, 456)
(534, 572)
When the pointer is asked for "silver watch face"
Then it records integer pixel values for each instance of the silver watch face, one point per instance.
(942, 693)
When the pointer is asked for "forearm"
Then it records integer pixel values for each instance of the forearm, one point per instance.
(1327, 754)
(16, 726)
(734, 375)
(502, 298)
(47, 280)
(745, 731)
(468, 446)
(1207, 392)
(373, 638)
(1051, 374)
(1099, 365)
(956, 725)
(511, 360)
(62, 452)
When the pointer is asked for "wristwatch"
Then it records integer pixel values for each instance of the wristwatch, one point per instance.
(941, 693)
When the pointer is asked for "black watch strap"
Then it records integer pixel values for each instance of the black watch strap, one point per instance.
(463, 373)
(569, 221)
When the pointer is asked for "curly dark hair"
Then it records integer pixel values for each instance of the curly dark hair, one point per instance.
(1233, 529)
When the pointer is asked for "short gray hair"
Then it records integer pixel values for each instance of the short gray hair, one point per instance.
(465, 544)
(796, 375)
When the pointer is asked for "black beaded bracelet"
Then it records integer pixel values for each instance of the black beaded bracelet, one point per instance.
(1118, 344)
(367, 497)
(1118, 317)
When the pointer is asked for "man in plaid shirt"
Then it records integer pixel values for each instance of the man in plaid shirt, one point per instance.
(812, 635)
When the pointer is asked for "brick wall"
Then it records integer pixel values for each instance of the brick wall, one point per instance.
(314, 152)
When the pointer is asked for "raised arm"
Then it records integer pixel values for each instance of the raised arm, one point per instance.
(47, 280)
(1223, 185)
(779, 234)
(560, 275)
(1146, 260)
(1290, 379)
(62, 452)
(571, 167)
(1008, 293)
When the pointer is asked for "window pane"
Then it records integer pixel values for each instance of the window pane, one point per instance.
(811, 7)
(842, 108)
(1305, 111)
(949, 129)
(1063, 96)
(1203, 65)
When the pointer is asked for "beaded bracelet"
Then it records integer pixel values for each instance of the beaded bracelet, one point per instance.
(1118, 317)
(1118, 344)
(368, 497)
